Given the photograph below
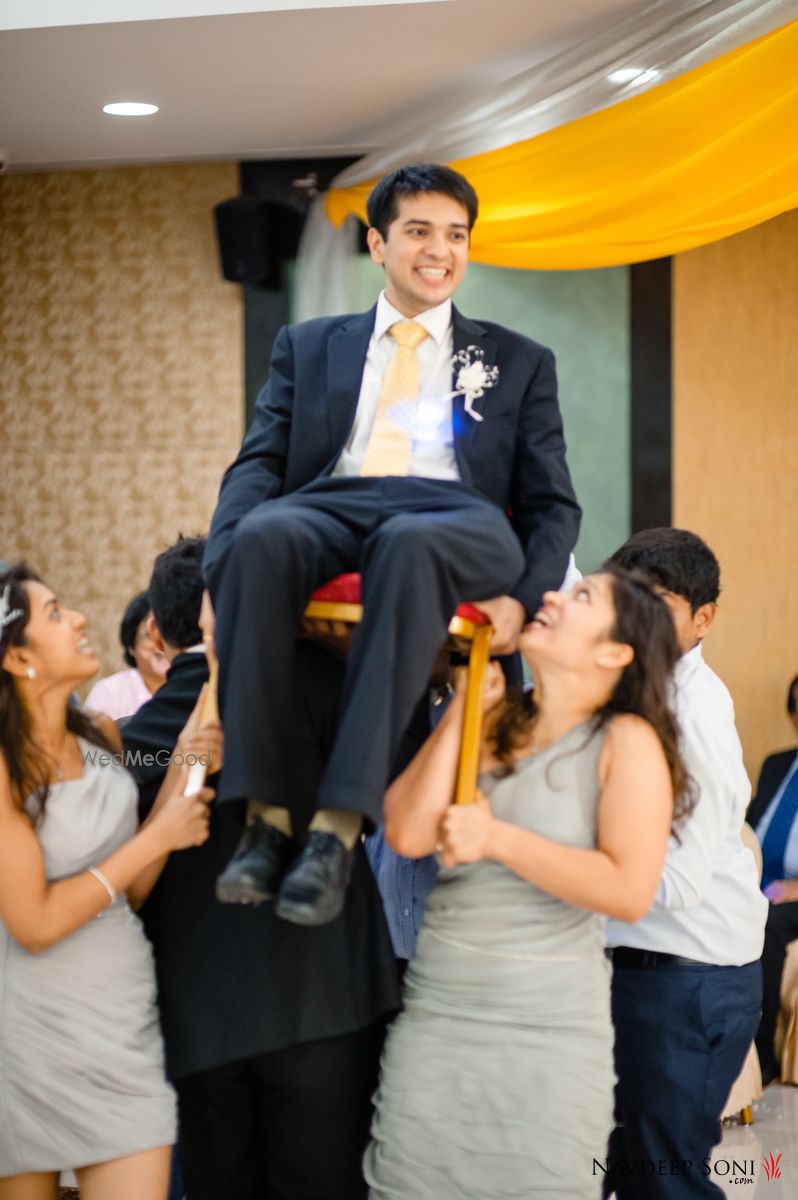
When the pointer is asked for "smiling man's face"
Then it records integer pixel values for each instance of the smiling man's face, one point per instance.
(425, 254)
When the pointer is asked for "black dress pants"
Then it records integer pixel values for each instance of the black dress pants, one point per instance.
(681, 1037)
(290, 1125)
(780, 930)
(422, 546)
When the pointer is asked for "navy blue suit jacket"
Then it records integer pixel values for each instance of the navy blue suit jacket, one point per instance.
(774, 768)
(514, 457)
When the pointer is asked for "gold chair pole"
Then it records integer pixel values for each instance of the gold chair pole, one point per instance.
(465, 792)
(208, 713)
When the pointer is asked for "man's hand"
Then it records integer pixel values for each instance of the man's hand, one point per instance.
(782, 891)
(507, 616)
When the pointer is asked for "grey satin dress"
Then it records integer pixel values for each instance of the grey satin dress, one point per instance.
(81, 1056)
(497, 1078)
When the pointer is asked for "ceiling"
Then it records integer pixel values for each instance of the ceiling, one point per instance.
(289, 80)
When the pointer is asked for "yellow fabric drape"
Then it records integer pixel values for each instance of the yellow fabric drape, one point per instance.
(696, 159)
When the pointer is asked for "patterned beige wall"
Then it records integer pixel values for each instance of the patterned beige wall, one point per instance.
(121, 393)
(735, 459)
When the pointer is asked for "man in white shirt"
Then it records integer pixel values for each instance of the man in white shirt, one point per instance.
(411, 444)
(687, 982)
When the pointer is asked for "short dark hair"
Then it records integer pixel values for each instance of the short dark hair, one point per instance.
(382, 206)
(792, 698)
(677, 559)
(175, 591)
(136, 612)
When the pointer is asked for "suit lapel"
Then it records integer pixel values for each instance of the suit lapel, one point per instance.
(467, 333)
(346, 356)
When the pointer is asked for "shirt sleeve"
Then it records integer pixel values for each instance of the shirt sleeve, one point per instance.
(258, 471)
(712, 755)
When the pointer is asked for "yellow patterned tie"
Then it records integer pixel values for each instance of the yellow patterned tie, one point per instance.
(390, 443)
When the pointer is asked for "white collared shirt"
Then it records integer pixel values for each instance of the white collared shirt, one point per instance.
(429, 418)
(708, 905)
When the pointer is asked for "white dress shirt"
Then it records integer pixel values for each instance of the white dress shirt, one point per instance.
(428, 418)
(708, 905)
(791, 848)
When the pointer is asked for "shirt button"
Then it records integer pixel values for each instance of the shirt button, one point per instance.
(406, 912)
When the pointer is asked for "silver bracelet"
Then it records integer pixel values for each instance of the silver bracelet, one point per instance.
(106, 882)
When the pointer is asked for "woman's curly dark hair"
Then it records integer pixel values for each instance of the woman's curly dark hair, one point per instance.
(642, 621)
(26, 762)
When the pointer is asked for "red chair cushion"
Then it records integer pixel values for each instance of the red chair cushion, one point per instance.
(470, 612)
(345, 589)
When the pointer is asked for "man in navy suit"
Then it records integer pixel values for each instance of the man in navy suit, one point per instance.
(455, 488)
(773, 812)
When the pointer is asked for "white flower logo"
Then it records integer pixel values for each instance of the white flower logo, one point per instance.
(473, 378)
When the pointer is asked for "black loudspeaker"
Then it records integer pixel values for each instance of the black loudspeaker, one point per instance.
(255, 238)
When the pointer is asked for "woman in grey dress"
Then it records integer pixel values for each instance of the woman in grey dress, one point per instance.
(82, 1083)
(497, 1078)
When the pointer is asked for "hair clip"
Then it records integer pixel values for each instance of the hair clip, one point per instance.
(7, 617)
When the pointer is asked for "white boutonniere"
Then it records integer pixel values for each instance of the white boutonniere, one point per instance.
(473, 377)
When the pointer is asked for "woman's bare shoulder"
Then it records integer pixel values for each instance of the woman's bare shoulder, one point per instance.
(629, 734)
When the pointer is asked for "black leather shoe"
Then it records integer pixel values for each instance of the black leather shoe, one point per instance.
(314, 889)
(255, 870)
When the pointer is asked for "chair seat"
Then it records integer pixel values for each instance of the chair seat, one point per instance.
(345, 590)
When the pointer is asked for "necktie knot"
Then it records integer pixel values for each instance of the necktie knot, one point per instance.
(408, 333)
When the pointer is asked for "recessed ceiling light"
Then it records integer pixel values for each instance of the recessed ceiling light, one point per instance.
(130, 108)
(635, 75)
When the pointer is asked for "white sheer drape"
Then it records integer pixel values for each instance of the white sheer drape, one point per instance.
(323, 282)
(561, 84)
